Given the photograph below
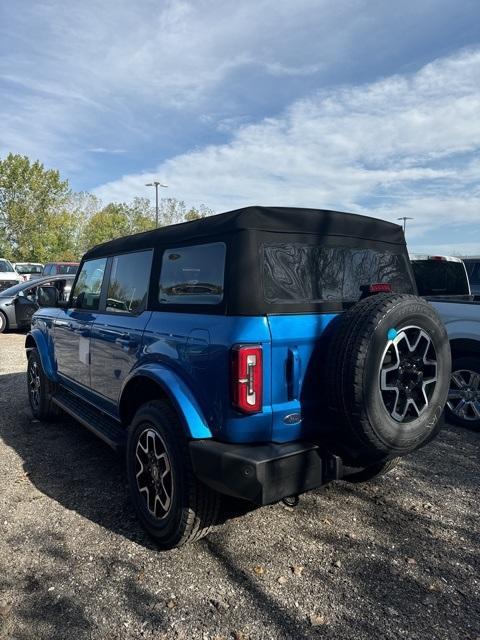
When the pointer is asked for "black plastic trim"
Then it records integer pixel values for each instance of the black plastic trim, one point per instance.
(263, 473)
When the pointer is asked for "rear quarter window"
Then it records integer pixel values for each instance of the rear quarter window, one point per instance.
(193, 275)
(297, 272)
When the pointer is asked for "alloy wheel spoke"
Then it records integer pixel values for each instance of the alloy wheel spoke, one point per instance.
(153, 473)
(408, 374)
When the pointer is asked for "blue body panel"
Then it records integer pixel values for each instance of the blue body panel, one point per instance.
(294, 339)
(188, 355)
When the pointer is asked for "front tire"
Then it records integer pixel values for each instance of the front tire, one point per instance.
(172, 505)
(463, 403)
(40, 389)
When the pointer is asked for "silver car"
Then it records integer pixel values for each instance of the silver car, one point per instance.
(19, 303)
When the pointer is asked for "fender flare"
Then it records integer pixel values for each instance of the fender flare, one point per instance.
(44, 351)
(195, 424)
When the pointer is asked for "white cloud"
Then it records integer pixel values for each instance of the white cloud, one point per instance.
(404, 145)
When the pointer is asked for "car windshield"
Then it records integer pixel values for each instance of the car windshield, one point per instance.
(5, 266)
(29, 268)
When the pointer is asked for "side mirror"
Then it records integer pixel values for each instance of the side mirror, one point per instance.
(47, 296)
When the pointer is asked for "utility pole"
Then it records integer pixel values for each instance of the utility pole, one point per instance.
(156, 184)
(405, 218)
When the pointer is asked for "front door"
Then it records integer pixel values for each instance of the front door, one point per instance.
(117, 332)
(72, 325)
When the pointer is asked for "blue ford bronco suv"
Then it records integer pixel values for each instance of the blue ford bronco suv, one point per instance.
(258, 354)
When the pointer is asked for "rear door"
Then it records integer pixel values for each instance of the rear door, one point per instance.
(118, 329)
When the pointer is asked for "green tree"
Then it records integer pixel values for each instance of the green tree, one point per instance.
(116, 220)
(173, 211)
(33, 211)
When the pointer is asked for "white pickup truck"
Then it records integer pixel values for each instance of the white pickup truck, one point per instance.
(444, 282)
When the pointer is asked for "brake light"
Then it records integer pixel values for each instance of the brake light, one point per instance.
(247, 378)
(438, 258)
(380, 287)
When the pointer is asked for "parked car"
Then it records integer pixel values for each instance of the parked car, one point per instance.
(258, 354)
(8, 275)
(19, 303)
(473, 269)
(29, 270)
(60, 268)
(445, 283)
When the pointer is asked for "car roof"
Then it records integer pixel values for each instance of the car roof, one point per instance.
(287, 220)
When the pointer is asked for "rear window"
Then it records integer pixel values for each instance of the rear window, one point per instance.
(29, 268)
(62, 269)
(440, 278)
(297, 272)
(193, 275)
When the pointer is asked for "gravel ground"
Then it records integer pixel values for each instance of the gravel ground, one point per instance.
(395, 558)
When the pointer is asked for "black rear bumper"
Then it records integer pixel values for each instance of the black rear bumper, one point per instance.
(263, 473)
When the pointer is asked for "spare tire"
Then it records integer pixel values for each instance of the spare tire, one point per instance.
(388, 377)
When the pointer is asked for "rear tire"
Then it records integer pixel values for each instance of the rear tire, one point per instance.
(172, 505)
(464, 394)
(40, 390)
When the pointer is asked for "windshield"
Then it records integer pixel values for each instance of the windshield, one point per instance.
(440, 278)
(29, 268)
(5, 266)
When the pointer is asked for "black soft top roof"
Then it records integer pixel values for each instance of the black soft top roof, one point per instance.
(288, 220)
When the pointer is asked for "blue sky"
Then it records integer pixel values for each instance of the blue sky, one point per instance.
(362, 105)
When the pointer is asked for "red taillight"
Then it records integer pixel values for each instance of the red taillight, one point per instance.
(247, 378)
(380, 287)
(438, 258)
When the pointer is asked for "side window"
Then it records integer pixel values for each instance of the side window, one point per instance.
(86, 294)
(128, 285)
(46, 270)
(193, 275)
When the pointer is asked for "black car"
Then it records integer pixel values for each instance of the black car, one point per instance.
(19, 303)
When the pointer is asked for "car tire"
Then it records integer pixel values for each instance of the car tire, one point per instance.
(3, 322)
(371, 472)
(389, 369)
(40, 389)
(172, 505)
(464, 386)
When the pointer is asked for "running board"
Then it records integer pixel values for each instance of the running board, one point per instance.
(102, 425)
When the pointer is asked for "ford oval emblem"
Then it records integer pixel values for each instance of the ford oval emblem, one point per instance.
(292, 418)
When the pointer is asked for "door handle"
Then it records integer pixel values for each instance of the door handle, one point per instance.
(293, 373)
(126, 342)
